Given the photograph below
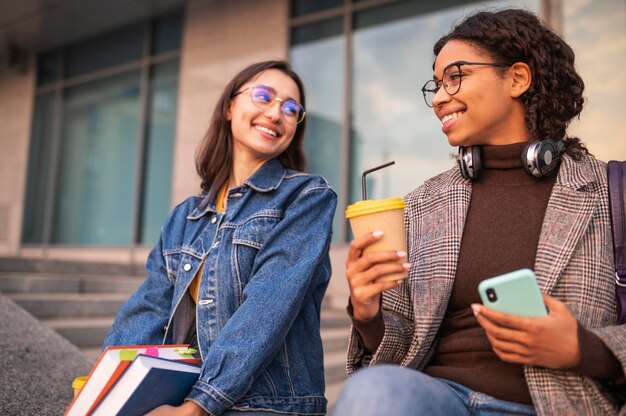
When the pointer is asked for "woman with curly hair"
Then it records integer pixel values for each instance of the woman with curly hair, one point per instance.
(524, 195)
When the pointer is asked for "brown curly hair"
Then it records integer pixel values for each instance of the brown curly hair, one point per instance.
(555, 96)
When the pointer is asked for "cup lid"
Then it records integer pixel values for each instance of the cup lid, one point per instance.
(370, 206)
(79, 382)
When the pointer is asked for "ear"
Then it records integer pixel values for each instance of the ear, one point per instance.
(229, 115)
(521, 77)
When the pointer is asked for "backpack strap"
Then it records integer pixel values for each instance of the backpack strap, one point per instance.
(617, 197)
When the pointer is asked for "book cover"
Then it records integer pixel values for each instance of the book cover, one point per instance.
(147, 383)
(111, 364)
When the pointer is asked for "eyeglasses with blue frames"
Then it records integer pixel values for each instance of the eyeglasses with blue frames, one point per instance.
(263, 97)
(451, 80)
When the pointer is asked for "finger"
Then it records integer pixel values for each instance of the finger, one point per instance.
(358, 244)
(371, 259)
(365, 294)
(376, 272)
(501, 333)
(512, 357)
(503, 319)
(553, 304)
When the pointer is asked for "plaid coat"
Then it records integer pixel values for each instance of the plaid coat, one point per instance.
(574, 263)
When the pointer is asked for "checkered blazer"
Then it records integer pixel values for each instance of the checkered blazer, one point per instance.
(574, 263)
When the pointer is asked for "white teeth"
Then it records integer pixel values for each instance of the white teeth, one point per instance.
(266, 130)
(449, 117)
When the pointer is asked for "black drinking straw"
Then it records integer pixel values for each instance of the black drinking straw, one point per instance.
(363, 187)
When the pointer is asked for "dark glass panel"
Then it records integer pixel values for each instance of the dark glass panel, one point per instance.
(168, 32)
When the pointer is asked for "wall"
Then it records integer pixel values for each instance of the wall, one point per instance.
(16, 105)
(220, 38)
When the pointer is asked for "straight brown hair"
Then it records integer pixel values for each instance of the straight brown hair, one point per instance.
(214, 155)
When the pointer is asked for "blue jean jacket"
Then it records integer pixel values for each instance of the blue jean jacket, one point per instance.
(266, 268)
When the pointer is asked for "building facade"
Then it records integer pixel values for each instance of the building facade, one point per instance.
(103, 105)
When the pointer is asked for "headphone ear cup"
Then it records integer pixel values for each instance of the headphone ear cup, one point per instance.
(541, 158)
(470, 162)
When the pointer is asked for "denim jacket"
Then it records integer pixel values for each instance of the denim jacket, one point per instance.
(266, 268)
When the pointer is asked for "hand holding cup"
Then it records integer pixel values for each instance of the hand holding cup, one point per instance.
(366, 273)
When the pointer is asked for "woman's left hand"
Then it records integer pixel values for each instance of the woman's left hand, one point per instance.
(550, 341)
(188, 408)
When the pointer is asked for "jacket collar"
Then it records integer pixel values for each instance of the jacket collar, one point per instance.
(266, 179)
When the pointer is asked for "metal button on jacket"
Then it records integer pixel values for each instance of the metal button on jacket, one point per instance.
(213, 220)
(187, 267)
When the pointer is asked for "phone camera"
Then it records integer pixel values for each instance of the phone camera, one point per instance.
(491, 295)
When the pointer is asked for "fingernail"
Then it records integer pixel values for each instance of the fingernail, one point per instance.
(378, 234)
(476, 309)
(401, 253)
(406, 266)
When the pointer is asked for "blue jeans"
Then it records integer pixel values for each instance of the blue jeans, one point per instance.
(394, 390)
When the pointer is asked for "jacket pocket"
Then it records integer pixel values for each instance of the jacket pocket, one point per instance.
(172, 262)
(248, 238)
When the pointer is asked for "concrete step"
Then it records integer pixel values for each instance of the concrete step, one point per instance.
(334, 318)
(58, 283)
(335, 367)
(332, 394)
(82, 332)
(70, 305)
(335, 339)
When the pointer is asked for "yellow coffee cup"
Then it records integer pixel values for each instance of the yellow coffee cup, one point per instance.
(385, 215)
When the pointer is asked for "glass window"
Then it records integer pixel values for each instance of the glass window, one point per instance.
(97, 162)
(319, 61)
(168, 31)
(597, 33)
(106, 51)
(391, 61)
(84, 183)
(158, 150)
(48, 68)
(302, 7)
(38, 166)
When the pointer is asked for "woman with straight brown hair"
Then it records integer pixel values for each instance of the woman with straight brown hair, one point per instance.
(240, 270)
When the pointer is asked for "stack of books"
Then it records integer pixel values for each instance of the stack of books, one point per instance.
(133, 380)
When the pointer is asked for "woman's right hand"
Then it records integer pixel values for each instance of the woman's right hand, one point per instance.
(362, 271)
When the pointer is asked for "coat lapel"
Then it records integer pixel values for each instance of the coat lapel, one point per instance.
(567, 218)
(438, 237)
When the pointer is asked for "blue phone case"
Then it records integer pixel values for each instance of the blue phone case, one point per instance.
(516, 293)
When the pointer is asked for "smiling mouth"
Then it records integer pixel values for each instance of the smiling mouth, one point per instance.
(451, 116)
(267, 131)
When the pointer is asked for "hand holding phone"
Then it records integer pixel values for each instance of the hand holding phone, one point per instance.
(516, 293)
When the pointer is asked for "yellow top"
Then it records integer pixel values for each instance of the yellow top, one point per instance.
(370, 206)
(220, 206)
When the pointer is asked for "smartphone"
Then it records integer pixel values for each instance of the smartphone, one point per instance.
(516, 293)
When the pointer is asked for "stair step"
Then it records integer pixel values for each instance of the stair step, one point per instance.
(335, 339)
(332, 394)
(335, 318)
(54, 305)
(55, 283)
(82, 332)
(335, 367)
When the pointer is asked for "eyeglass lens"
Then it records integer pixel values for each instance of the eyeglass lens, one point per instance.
(264, 97)
(451, 82)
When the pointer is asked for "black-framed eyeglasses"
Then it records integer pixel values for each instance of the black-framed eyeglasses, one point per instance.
(263, 97)
(451, 80)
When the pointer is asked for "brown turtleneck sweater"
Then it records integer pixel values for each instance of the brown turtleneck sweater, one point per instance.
(501, 234)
